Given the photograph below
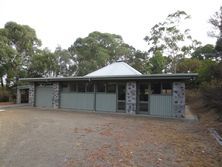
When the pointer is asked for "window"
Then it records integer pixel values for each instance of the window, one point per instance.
(64, 87)
(111, 88)
(166, 88)
(81, 87)
(156, 88)
(73, 87)
(100, 87)
(143, 92)
(121, 92)
(90, 87)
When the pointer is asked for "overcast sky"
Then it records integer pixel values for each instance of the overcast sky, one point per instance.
(60, 22)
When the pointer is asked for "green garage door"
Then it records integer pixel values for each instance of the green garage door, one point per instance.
(79, 101)
(44, 95)
(106, 102)
(161, 105)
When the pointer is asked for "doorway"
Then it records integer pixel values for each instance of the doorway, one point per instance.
(24, 95)
(121, 97)
(143, 98)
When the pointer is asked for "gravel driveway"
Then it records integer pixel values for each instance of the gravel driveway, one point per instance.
(32, 137)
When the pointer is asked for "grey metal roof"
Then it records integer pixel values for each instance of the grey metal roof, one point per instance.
(115, 69)
(178, 76)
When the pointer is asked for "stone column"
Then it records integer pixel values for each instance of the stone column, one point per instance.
(131, 97)
(56, 95)
(32, 94)
(18, 96)
(179, 99)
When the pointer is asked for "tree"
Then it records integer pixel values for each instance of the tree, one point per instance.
(18, 44)
(99, 49)
(158, 62)
(216, 21)
(43, 64)
(6, 54)
(65, 62)
(170, 38)
(139, 61)
(189, 65)
(204, 52)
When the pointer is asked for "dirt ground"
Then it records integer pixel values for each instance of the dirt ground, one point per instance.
(42, 138)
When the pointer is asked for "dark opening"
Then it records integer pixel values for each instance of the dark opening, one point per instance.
(121, 97)
(90, 87)
(100, 87)
(24, 95)
(167, 88)
(156, 88)
(73, 86)
(81, 87)
(143, 97)
(111, 88)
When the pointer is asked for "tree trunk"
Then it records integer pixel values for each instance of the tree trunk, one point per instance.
(2, 83)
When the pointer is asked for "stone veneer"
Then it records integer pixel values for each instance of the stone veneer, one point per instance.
(32, 94)
(131, 97)
(56, 97)
(18, 96)
(179, 99)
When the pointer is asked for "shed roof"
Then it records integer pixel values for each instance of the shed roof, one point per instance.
(114, 69)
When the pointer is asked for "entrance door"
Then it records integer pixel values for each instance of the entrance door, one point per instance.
(24, 95)
(121, 104)
(143, 98)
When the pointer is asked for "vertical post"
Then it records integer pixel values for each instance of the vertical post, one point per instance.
(18, 96)
(56, 95)
(32, 94)
(179, 99)
(131, 97)
(94, 88)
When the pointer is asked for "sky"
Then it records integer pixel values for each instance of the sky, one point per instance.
(61, 22)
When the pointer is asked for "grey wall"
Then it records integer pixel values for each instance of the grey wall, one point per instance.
(84, 101)
(106, 102)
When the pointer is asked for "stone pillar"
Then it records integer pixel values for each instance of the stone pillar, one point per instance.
(131, 97)
(179, 99)
(56, 96)
(18, 96)
(32, 94)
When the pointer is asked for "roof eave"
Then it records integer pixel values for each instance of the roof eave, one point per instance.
(126, 77)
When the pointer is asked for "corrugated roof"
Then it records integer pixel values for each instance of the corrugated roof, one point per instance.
(114, 69)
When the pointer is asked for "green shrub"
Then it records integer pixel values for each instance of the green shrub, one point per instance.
(4, 95)
(212, 95)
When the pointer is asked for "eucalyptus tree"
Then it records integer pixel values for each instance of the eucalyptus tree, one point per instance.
(216, 22)
(172, 39)
(18, 44)
(99, 49)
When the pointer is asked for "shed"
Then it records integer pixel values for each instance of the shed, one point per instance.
(114, 88)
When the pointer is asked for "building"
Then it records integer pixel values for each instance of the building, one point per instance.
(114, 88)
